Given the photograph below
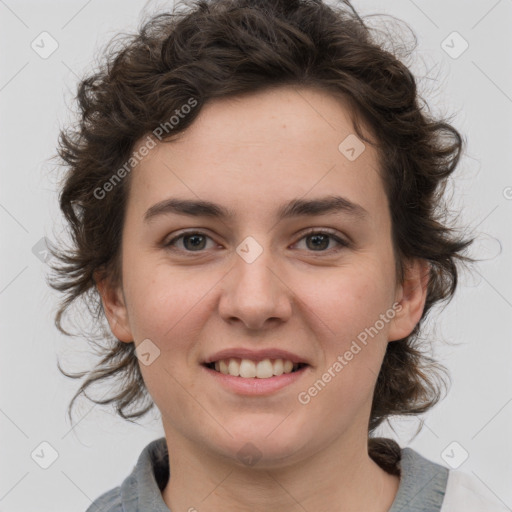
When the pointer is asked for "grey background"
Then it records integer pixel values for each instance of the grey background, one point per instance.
(35, 96)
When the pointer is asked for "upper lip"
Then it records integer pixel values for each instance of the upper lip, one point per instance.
(255, 355)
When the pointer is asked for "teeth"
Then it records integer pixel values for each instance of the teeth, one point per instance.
(278, 367)
(264, 369)
(248, 369)
(234, 367)
(287, 366)
(223, 367)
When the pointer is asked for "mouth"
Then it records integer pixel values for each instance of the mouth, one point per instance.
(250, 369)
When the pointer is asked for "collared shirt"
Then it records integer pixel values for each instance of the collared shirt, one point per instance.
(425, 486)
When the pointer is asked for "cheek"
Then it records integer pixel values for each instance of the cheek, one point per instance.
(348, 300)
(350, 315)
(169, 307)
(340, 392)
(161, 299)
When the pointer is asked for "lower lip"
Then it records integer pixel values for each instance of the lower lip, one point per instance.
(255, 386)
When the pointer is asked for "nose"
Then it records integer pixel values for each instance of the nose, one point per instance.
(255, 293)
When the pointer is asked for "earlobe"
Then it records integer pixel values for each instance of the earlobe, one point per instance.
(115, 310)
(411, 296)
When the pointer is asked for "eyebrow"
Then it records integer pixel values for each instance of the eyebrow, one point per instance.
(294, 208)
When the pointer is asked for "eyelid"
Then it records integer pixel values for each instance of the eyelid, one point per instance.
(180, 234)
(343, 241)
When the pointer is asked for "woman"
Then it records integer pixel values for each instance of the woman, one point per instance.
(255, 198)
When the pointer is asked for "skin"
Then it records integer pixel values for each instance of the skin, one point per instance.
(252, 154)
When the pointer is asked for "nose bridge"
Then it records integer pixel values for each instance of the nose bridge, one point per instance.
(252, 291)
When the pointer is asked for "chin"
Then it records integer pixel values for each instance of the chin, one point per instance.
(262, 444)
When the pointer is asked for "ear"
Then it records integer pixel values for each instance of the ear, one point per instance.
(114, 305)
(411, 296)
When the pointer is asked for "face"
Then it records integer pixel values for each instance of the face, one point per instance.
(283, 277)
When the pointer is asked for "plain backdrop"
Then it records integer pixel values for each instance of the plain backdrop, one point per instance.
(36, 94)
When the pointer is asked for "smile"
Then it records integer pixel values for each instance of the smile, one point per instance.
(249, 369)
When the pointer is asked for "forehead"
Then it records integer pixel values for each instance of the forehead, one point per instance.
(262, 148)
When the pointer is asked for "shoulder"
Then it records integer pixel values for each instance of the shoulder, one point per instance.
(107, 502)
(427, 485)
(141, 489)
(422, 484)
(443, 489)
(465, 492)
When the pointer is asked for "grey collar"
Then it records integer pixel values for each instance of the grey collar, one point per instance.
(422, 485)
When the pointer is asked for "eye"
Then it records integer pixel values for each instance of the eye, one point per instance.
(193, 241)
(320, 240)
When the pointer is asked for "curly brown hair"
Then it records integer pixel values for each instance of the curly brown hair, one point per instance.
(219, 48)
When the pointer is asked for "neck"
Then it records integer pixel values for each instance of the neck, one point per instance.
(337, 478)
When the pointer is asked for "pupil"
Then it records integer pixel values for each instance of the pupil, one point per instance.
(325, 239)
(194, 244)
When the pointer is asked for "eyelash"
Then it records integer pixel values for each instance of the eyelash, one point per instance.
(312, 231)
